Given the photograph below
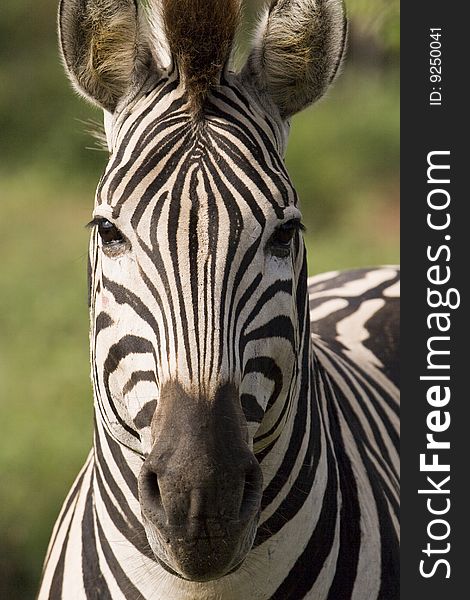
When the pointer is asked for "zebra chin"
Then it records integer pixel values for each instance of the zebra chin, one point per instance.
(200, 559)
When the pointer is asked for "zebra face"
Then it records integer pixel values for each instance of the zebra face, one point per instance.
(198, 279)
(196, 255)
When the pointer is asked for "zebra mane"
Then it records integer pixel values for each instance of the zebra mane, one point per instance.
(200, 36)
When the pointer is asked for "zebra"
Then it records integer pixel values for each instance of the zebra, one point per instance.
(246, 418)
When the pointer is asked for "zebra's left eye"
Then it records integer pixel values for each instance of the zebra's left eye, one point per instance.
(282, 237)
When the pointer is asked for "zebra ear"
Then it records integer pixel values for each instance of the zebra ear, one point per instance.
(104, 49)
(298, 48)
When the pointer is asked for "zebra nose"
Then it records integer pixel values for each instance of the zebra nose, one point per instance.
(150, 496)
(173, 498)
(200, 486)
(252, 491)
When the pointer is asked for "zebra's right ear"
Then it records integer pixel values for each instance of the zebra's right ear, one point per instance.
(105, 48)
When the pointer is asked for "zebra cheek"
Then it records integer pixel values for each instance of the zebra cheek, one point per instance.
(104, 302)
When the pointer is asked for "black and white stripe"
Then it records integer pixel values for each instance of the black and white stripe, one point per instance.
(198, 292)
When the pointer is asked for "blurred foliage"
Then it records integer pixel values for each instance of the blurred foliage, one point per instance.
(343, 159)
(378, 20)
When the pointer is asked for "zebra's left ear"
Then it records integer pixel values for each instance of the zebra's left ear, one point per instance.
(297, 51)
(105, 48)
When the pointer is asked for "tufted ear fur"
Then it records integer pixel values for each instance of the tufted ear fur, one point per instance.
(297, 51)
(105, 48)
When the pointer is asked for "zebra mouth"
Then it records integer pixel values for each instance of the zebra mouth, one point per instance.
(168, 569)
(202, 559)
(200, 488)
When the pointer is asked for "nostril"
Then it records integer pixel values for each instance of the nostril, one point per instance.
(251, 499)
(150, 497)
(153, 489)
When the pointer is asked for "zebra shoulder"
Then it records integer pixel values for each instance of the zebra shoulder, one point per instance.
(357, 314)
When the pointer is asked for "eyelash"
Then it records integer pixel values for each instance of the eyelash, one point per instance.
(109, 233)
(289, 227)
(280, 242)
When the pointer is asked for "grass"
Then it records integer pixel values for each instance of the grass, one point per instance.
(343, 159)
(44, 387)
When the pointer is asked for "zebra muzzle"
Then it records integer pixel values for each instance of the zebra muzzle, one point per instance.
(200, 487)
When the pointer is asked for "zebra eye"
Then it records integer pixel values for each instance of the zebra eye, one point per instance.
(283, 235)
(109, 233)
(113, 243)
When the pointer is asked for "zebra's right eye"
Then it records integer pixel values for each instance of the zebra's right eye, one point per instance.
(109, 233)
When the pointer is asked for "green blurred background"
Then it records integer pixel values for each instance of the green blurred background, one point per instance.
(343, 159)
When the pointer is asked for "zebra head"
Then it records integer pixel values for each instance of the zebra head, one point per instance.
(198, 276)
